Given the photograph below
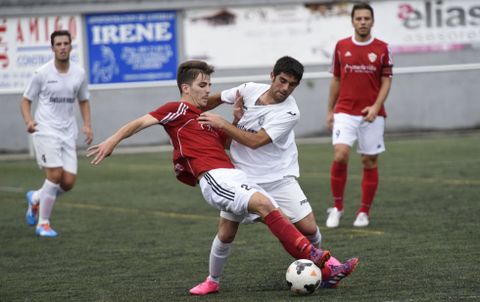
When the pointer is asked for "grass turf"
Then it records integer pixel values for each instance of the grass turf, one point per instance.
(130, 232)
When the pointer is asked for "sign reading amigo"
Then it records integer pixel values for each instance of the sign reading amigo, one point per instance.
(25, 46)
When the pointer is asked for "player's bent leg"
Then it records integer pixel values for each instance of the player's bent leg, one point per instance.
(219, 252)
(221, 248)
(296, 244)
(48, 195)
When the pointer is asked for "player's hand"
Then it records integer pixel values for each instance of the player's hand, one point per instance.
(87, 130)
(100, 151)
(212, 119)
(238, 107)
(330, 120)
(370, 113)
(31, 126)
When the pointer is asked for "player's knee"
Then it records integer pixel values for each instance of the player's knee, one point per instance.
(227, 230)
(307, 226)
(369, 161)
(260, 204)
(341, 156)
(67, 184)
(54, 177)
(226, 237)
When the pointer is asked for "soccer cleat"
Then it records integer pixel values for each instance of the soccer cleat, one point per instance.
(361, 220)
(32, 210)
(334, 216)
(44, 230)
(339, 272)
(319, 256)
(206, 287)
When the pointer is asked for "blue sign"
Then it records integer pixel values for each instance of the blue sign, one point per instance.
(132, 47)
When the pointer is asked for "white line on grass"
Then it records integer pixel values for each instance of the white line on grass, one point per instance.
(11, 189)
(127, 210)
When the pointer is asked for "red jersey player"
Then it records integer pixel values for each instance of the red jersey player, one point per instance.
(199, 156)
(362, 76)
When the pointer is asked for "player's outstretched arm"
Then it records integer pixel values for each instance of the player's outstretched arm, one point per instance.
(105, 148)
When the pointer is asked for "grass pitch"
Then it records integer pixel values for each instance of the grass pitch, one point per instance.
(130, 232)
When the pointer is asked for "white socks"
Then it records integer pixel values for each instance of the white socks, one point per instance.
(316, 239)
(48, 195)
(218, 258)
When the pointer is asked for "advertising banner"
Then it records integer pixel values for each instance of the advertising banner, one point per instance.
(419, 26)
(132, 47)
(255, 36)
(25, 46)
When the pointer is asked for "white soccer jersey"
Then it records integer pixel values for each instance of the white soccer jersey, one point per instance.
(56, 94)
(272, 161)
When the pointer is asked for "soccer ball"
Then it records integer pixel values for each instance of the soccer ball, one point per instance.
(303, 277)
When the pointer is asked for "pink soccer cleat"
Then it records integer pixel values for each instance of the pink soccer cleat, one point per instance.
(339, 272)
(206, 287)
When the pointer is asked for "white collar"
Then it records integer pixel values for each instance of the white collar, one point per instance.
(362, 43)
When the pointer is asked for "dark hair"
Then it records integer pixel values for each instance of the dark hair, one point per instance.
(188, 71)
(362, 5)
(289, 66)
(60, 33)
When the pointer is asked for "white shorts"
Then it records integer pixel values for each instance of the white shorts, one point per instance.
(229, 190)
(53, 152)
(289, 196)
(348, 128)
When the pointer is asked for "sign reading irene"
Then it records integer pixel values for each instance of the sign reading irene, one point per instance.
(132, 47)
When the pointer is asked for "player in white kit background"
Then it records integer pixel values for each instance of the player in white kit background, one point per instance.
(263, 146)
(56, 87)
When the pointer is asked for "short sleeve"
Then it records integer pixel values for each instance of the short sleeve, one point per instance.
(229, 95)
(34, 86)
(387, 63)
(83, 93)
(335, 67)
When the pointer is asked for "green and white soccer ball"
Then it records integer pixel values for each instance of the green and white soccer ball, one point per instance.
(303, 277)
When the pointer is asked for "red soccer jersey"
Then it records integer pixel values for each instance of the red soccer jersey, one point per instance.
(360, 67)
(196, 148)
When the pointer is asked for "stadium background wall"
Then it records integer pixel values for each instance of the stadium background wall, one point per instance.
(430, 91)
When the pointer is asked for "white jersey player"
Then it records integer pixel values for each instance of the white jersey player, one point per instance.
(56, 87)
(263, 146)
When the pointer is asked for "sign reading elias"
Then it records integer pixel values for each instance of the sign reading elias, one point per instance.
(438, 14)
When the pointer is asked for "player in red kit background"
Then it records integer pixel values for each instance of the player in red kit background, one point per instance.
(199, 157)
(362, 76)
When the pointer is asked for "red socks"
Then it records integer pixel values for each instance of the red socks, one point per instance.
(369, 188)
(338, 179)
(297, 245)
